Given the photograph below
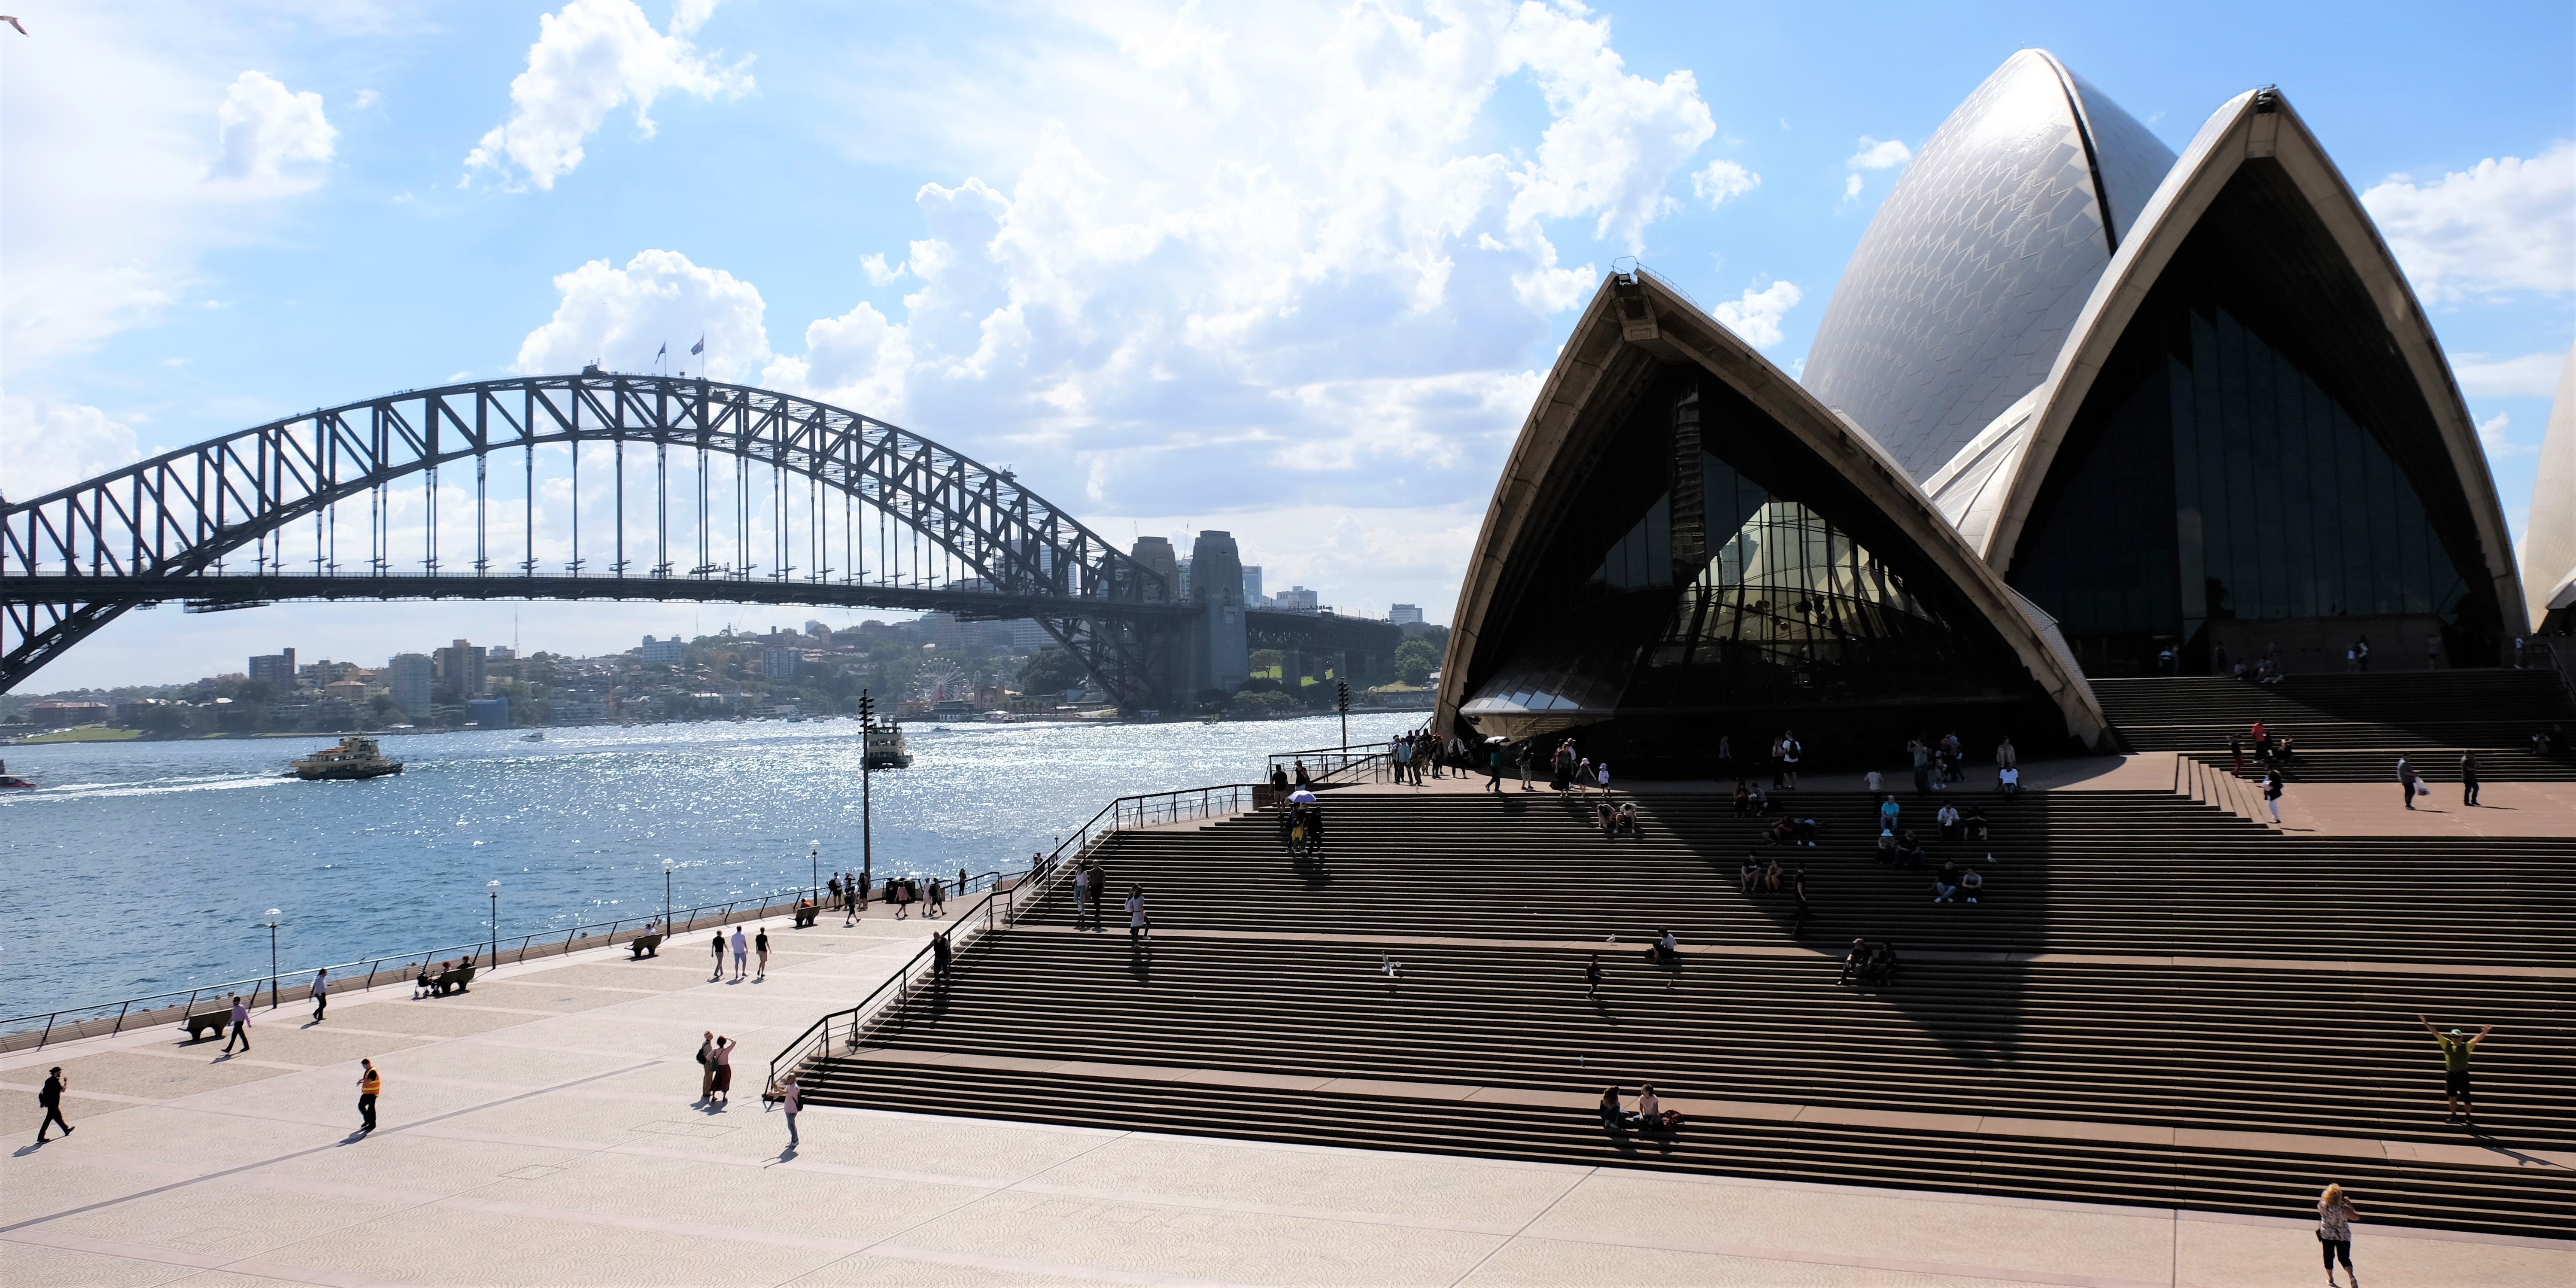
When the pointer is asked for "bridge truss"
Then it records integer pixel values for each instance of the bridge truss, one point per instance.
(695, 490)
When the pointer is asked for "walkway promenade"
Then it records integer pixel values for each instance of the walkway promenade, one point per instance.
(540, 1130)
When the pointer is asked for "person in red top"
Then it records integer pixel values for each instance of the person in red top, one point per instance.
(2262, 740)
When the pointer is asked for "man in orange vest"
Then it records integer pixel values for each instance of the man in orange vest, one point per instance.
(370, 1083)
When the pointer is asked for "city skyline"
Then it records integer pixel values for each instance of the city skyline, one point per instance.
(1342, 421)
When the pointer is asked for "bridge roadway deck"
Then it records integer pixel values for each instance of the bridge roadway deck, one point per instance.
(541, 1130)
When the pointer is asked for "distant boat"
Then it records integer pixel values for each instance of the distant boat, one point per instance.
(8, 781)
(353, 757)
(537, 735)
(886, 749)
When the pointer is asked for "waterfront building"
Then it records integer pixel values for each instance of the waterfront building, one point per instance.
(2549, 543)
(410, 678)
(276, 668)
(779, 663)
(58, 713)
(491, 713)
(663, 652)
(2182, 404)
(460, 671)
(1405, 615)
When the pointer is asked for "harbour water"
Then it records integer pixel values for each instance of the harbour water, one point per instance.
(143, 866)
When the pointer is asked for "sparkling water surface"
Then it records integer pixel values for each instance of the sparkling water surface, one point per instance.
(139, 867)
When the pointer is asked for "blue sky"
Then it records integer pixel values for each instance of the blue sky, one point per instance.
(1292, 270)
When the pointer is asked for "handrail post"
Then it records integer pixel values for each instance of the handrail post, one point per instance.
(42, 1038)
(120, 1018)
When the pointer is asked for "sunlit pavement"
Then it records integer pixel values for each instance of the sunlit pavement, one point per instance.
(541, 1130)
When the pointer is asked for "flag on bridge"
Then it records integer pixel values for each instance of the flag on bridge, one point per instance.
(699, 347)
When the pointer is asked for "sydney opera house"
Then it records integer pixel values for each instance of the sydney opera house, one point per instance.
(2078, 408)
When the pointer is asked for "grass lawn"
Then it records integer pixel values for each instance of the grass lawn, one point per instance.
(86, 733)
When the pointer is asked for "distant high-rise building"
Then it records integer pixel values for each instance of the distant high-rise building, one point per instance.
(1405, 615)
(1181, 569)
(409, 677)
(663, 652)
(277, 668)
(1252, 583)
(1028, 637)
(460, 671)
(491, 713)
(1297, 599)
(779, 663)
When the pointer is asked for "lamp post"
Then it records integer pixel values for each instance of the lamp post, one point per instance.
(1342, 700)
(815, 860)
(495, 888)
(272, 960)
(867, 824)
(667, 865)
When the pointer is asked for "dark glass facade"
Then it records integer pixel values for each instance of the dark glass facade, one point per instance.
(2223, 483)
(1713, 574)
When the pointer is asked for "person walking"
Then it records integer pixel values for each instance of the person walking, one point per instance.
(760, 945)
(1601, 778)
(2456, 1049)
(724, 1071)
(2272, 793)
(1790, 750)
(321, 993)
(2468, 778)
(707, 1067)
(792, 1099)
(2361, 654)
(1592, 977)
(1798, 890)
(241, 1026)
(1494, 769)
(1523, 757)
(50, 1097)
(2335, 1215)
(741, 954)
(370, 1085)
(2005, 758)
(2406, 781)
(717, 948)
(849, 900)
(937, 904)
(1082, 891)
(1139, 928)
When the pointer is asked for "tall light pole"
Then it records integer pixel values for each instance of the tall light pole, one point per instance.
(1342, 700)
(667, 865)
(867, 821)
(815, 860)
(272, 960)
(495, 888)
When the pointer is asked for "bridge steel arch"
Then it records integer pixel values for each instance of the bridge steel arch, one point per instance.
(164, 529)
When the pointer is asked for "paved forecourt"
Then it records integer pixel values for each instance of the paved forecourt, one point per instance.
(541, 1130)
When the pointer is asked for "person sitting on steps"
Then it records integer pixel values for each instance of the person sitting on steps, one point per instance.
(1945, 883)
(1910, 852)
(1971, 884)
(1771, 875)
(1974, 827)
(1784, 832)
(1627, 820)
(1744, 875)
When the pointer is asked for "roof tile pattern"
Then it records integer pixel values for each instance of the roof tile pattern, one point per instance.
(1972, 273)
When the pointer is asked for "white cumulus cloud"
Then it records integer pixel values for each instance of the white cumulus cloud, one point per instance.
(2533, 375)
(49, 445)
(1756, 314)
(622, 316)
(1879, 154)
(1851, 186)
(1222, 244)
(2504, 224)
(266, 130)
(2491, 432)
(591, 58)
(1722, 181)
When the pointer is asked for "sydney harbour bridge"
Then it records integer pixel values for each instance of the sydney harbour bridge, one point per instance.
(612, 486)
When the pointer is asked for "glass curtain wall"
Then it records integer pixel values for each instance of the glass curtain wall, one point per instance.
(2228, 484)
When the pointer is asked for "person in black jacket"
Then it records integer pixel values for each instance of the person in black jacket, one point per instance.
(51, 1097)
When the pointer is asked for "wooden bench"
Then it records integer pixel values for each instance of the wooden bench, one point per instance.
(805, 915)
(453, 979)
(207, 1024)
(643, 946)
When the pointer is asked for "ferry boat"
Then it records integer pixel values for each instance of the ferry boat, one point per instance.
(885, 748)
(353, 757)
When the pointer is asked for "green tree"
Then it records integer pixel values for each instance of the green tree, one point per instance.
(1257, 702)
(1050, 670)
(1415, 660)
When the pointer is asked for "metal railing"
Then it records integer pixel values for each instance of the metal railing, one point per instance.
(1002, 907)
(111, 1017)
(1370, 762)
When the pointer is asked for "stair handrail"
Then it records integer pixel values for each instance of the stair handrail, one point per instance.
(1369, 761)
(1002, 907)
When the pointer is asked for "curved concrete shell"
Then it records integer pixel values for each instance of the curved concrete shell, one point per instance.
(2255, 211)
(2549, 544)
(1726, 416)
(1972, 273)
